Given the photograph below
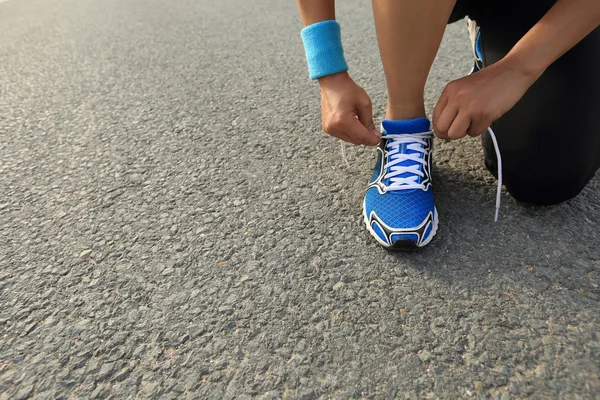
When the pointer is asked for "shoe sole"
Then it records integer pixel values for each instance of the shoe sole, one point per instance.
(403, 244)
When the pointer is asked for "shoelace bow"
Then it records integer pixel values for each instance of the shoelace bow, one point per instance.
(416, 142)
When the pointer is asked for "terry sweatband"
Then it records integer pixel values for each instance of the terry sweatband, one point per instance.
(323, 47)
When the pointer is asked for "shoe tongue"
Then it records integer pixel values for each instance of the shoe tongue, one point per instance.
(396, 127)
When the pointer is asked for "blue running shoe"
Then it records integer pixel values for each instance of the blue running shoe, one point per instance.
(398, 208)
(475, 36)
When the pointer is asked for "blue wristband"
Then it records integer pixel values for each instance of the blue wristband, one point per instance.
(323, 47)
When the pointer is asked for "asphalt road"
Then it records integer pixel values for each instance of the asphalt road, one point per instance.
(173, 224)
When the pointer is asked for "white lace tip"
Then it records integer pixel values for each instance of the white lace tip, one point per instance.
(343, 146)
(499, 158)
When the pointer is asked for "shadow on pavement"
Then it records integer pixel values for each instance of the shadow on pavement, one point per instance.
(542, 248)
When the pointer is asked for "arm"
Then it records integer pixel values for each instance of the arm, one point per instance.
(469, 105)
(345, 106)
(565, 25)
(312, 11)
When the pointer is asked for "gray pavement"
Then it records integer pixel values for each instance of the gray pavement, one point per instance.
(173, 224)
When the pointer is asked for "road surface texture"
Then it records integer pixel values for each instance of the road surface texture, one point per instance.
(174, 224)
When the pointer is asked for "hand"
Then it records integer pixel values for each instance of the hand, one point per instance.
(469, 105)
(346, 110)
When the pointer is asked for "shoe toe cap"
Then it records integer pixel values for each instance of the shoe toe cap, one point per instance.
(399, 220)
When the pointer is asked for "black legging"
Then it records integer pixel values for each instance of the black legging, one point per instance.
(550, 140)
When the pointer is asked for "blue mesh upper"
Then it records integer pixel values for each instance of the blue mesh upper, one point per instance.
(400, 209)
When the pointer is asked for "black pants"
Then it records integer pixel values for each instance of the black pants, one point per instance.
(550, 140)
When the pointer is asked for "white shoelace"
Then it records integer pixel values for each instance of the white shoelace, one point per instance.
(499, 158)
(417, 143)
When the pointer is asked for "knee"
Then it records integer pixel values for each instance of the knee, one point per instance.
(544, 187)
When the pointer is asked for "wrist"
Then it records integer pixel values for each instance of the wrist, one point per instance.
(526, 67)
(333, 80)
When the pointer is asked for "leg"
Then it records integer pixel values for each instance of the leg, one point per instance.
(399, 208)
(409, 33)
(549, 141)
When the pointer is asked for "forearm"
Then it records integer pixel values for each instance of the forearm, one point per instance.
(563, 26)
(312, 11)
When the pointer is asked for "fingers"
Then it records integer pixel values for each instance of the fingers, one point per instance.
(335, 128)
(437, 111)
(341, 135)
(356, 128)
(477, 128)
(347, 111)
(350, 129)
(479, 123)
(455, 115)
(444, 121)
(365, 117)
(347, 128)
(462, 125)
(459, 126)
